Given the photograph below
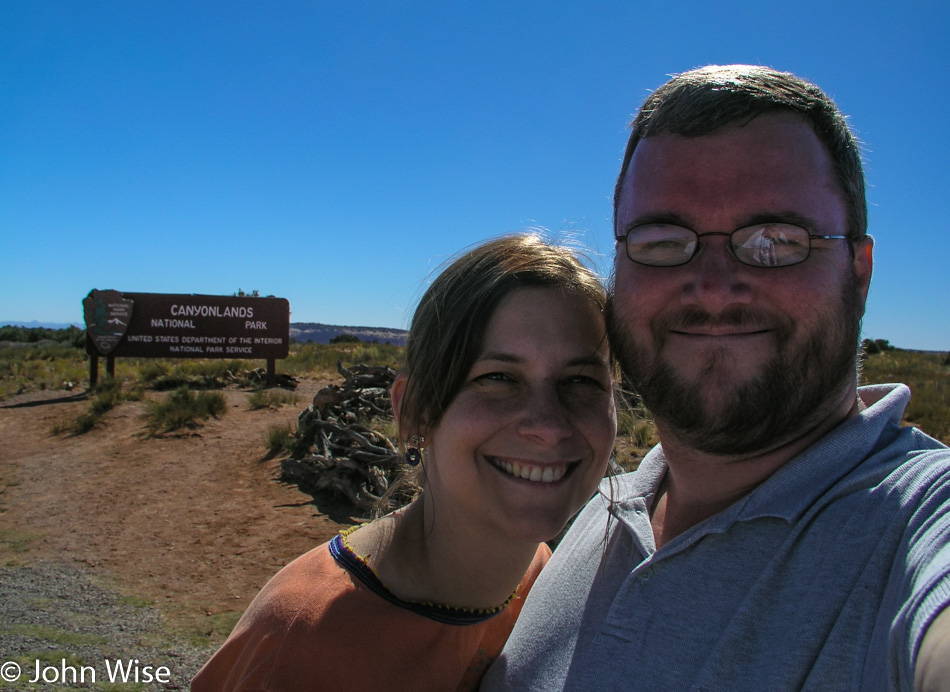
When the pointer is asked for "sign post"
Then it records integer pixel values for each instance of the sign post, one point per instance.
(166, 325)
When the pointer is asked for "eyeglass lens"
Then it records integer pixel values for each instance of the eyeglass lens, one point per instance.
(761, 245)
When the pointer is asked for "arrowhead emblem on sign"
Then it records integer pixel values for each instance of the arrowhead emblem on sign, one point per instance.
(107, 316)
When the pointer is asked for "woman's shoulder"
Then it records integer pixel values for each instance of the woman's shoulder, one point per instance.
(541, 557)
(311, 577)
(263, 642)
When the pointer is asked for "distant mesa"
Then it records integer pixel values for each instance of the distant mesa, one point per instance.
(299, 331)
(40, 325)
(322, 333)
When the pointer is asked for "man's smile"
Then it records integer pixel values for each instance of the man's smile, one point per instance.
(720, 331)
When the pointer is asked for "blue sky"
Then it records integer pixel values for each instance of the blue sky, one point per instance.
(335, 154)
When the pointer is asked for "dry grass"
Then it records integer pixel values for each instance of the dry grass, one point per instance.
(927, 375)
(271, 398)
(28, 367)
(184, 409)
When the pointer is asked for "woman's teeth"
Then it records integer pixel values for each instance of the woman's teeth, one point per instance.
(536, 474)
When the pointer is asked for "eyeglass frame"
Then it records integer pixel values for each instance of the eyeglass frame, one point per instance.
(732, 250)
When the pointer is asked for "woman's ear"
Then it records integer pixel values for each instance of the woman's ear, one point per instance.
(396, 392)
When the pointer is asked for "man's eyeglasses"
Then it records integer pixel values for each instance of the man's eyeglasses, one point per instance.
(759, 245)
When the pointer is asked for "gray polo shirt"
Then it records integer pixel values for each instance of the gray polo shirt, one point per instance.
(823, 578)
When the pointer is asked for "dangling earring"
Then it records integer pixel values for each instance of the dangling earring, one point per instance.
(413, 453)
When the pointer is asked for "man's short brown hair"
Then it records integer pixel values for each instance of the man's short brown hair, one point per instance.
(701, 101)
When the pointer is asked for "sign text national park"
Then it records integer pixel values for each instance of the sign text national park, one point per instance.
(165, 325)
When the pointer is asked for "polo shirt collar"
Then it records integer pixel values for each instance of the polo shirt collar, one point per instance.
(795, 487)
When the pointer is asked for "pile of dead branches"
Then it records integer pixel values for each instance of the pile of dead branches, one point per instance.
(337, 452)
(258, 378)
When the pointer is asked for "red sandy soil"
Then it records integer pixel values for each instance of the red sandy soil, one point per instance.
(195, 521)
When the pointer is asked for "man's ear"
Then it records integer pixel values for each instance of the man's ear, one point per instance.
(863, 264)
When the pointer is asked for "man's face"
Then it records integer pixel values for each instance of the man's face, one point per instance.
(731, 358)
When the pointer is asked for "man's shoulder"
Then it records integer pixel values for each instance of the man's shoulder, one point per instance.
(923, 445)
(622, 485)
(645, 479)
(889, 444)
(910, 450)
(921, 467)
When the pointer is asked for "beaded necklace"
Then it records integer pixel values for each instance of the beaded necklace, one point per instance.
(357, 565)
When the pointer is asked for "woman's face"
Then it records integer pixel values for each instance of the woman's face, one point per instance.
(525, 441)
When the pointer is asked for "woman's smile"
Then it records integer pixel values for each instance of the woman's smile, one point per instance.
(536, 473)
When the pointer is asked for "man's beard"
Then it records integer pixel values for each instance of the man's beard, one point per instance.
(798, 387)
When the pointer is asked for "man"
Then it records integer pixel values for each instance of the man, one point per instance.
(787, 533)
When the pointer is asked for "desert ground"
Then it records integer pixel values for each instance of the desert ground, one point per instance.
(194, 522)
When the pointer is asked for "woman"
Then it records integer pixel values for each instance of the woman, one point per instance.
(506, 403)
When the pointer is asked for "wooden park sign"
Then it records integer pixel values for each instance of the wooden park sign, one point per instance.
(167, 325)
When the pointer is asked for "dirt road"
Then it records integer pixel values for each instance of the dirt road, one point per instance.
(195, 522)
